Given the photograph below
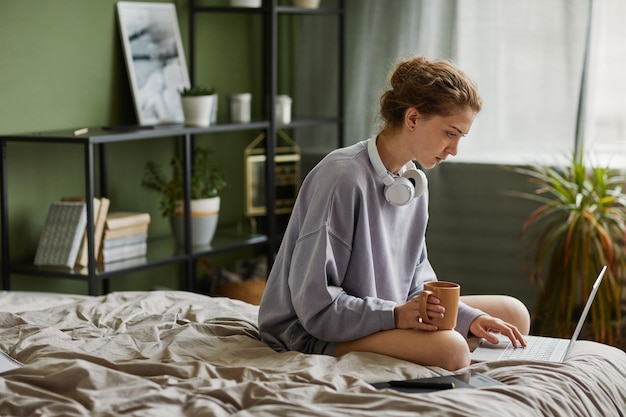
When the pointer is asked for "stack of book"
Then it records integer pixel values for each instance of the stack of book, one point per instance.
(118, 236)
(63, 241)
(125, 237)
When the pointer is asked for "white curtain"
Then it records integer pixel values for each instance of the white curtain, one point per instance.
(526, 56)
(605, 118)
(378, 34)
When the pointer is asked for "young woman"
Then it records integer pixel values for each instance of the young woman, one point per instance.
(353, 259)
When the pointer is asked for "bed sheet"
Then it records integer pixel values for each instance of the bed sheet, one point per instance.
(175, 353)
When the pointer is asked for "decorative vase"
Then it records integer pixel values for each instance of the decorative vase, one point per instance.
(204, 216)
(198, 109)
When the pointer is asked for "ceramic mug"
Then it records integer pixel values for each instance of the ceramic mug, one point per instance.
(448, 293)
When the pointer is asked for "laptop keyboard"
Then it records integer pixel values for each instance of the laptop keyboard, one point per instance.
(537, 348)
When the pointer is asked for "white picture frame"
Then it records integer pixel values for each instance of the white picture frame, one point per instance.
(155, 60)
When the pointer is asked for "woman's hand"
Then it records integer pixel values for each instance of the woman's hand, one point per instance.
(408, 315)
(484, 326)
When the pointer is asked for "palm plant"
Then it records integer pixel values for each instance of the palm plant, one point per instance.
(579, 227)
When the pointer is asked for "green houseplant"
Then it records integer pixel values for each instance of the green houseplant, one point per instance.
(197, 91)
(199, 105)
(579, 227)
(207, 180)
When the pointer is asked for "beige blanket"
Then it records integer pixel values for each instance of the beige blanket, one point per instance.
(178, 353)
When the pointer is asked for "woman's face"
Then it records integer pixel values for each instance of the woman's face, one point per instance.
(437, 137)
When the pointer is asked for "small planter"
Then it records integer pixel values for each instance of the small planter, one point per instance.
(245, 3)
(204, 216)
(198, 109)
(307, 4)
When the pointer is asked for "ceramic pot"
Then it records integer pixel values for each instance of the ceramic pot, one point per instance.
(245, 3)
(204, 217)
(307, 4)
(198, 109)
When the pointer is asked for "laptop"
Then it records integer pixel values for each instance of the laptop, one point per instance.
(538, 348)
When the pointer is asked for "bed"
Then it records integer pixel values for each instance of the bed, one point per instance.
(175, 353)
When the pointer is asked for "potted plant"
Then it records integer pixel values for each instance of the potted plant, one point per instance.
(579, 227)
(207, 180)
(198, 104)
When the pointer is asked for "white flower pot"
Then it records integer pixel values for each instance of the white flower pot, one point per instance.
(245, 3)
(307, 4)
(198, 109)
(204, 217)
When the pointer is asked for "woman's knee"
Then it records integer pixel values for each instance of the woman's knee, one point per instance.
(454, 352)
(504, 307)
(519, 314)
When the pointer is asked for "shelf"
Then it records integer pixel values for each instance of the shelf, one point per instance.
(257, 10)
(310, 123)
(305, 11)
(109, 134)
(103, 135)
(161, 251)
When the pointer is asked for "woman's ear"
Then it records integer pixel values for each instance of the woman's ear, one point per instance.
(410, 118)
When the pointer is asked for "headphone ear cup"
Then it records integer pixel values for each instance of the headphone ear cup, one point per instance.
(418, 178)
(400, 192)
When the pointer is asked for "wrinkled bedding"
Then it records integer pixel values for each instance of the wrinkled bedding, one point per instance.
(175, 353)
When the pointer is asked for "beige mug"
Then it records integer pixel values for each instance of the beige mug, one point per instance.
(448, 293)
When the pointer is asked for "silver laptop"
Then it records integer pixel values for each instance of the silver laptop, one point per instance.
(539, 348)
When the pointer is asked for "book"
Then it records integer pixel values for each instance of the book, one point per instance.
(119, 219)
(100, 211)
(125, 231)
(123, 252)
(122, 264)
(124, 240)
(62, 234)
(83, 251)
(98, 233)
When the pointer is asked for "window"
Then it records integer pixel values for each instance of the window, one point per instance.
(527, 58)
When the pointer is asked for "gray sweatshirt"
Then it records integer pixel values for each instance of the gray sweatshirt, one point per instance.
(348, 257)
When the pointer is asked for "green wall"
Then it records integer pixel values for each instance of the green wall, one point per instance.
(62, 67)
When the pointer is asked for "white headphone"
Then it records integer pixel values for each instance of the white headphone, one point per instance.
(399, 191)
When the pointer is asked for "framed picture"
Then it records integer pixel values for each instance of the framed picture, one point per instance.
(155, 60)
(287, 175)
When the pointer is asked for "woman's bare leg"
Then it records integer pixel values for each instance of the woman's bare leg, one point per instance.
(503, 307)
(444, 348)
(447, 349)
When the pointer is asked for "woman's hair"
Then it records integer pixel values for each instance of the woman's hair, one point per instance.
(434, 88)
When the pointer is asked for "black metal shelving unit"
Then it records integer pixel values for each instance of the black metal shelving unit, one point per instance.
(94, 145)
(95, 141)
(271, 10)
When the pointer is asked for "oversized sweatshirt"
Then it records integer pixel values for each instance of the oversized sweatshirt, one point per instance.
(347, 259)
